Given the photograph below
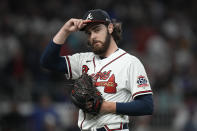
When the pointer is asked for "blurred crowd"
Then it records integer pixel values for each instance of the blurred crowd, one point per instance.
(161, 33)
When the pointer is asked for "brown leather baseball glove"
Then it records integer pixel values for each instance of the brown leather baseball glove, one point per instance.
(86, 96)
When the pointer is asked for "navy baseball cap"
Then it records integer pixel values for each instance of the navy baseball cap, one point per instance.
(95, 17)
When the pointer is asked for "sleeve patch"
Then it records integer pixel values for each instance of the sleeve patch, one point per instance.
(142, 81)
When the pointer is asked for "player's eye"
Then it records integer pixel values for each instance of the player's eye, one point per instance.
(88, 33)
(97, 29)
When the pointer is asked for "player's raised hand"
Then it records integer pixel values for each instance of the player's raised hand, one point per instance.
(73, 25)
(70, 26)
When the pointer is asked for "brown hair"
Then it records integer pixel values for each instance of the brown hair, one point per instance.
(117, 32)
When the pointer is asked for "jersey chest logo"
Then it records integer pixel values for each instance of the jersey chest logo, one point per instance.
(109, 85)
(85, 69)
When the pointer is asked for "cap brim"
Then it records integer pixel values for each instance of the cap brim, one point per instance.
(90, 23)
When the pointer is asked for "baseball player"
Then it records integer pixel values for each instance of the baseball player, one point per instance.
(118, 75)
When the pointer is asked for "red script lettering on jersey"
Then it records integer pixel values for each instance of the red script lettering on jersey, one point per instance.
(102, 75)
(110, 85)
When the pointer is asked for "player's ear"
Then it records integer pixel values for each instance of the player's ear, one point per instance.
(110, 28)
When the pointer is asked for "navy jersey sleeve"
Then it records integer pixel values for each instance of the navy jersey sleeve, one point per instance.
(52, 60)
(141, 105)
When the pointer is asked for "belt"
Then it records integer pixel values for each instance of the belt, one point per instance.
(106, 128)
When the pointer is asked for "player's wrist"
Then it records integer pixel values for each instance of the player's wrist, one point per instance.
(108, 107)
(66, 30)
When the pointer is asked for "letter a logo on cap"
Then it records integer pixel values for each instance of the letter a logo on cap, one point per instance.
(89, 17)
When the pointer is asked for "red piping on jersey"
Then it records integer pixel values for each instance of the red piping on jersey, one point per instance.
(94, 63)
(121, 126)
(141, 92)
(83, 120)
(112, 61)
(69, 67)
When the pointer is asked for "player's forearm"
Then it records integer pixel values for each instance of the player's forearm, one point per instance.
(61, 36)
(142, 105)
(108, 107)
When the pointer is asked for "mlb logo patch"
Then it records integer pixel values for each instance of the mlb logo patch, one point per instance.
(141, 81)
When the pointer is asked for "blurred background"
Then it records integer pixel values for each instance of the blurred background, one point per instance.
(161, 33)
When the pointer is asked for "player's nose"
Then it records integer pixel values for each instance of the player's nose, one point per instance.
(92, 36)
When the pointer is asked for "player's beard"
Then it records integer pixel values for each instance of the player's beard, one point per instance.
(99, 50)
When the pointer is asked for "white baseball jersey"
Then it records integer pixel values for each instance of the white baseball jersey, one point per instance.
(120, 78)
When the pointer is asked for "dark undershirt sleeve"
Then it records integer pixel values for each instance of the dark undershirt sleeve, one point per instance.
(52, 60)
(141, 105)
